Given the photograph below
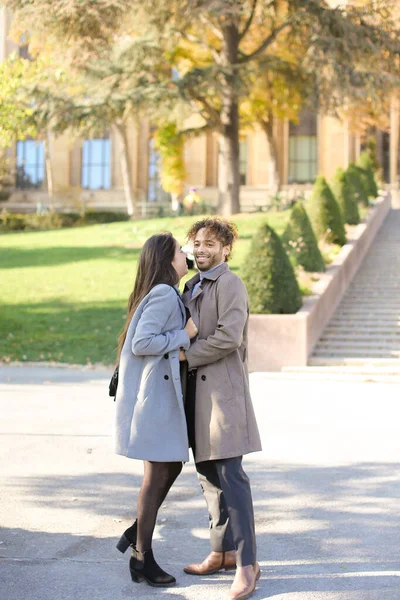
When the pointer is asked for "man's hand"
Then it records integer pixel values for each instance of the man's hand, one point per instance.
(191, 328)
(182, 356)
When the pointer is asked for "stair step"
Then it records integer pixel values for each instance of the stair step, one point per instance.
(361, 353)
(358, 302)
(371, 289)
(346, 324)
(377, 296)
(333, 376)
(368, 336)
(364, 311)
(361, 308)
(391, 368)
(347, 362)
(391, 296)
(361, 316)
(382, 344)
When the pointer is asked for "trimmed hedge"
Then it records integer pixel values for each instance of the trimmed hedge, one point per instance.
(269, 277)
(366, 163)
(300, 242)
(324, 213)
(342, 191)
(358, 184)
(4, 195)
(53, 220)
(96, 217)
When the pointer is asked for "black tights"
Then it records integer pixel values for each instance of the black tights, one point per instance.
(157, 480)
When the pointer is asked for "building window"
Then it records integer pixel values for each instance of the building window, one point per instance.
(30, 164)
(303, 164)
(154, 190)
(96, 164)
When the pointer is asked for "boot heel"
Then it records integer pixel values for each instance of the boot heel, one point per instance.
(135, 577)
(230, 568)
(123, 544)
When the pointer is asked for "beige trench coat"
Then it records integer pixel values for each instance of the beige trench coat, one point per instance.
(225, 423)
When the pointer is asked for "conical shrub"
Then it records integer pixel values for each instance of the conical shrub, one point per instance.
(324, 213)
(342, 191)
(269, 276)
(366, 163)
(358, 184)
(300, 242)
(372, 151)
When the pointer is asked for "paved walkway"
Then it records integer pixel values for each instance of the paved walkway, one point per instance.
(326, 492)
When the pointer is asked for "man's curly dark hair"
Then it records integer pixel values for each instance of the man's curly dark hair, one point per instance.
(225, 231)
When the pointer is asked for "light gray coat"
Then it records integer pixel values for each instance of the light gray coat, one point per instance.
(150, 416)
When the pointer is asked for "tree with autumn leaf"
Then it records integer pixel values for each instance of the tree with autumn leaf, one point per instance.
(173, 171)
(276, 94)
(20, 116)
(114, 82)
(126, 83)
(221, 51)
(334, 55)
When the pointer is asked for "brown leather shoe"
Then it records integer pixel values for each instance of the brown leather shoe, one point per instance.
(245, 582)
(215, 561)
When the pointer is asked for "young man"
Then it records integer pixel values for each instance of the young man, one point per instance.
(221, 421)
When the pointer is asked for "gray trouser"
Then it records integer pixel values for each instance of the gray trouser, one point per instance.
(227, 492)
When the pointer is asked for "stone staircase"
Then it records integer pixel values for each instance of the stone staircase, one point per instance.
(365, 330)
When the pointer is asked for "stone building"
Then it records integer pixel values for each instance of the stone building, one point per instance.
(88, 170)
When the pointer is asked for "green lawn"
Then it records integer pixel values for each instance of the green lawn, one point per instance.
(63, 293)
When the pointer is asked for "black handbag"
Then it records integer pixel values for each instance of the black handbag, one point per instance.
(112, 388)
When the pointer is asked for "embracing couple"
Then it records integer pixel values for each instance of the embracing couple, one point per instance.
(183, 382)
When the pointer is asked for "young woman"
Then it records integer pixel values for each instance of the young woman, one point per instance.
(150, 416)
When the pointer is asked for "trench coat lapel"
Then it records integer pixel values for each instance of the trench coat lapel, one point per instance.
(181, 306)
(188, 290)
(183, 310)
(180, 373)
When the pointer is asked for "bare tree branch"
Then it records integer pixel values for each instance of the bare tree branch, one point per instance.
(210, 110)
(215, 30)
(194, 131)
(246, 28)
(248, 57)
(195, 40)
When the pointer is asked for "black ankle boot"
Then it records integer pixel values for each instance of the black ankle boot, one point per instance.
(144, 567)
(128, 538)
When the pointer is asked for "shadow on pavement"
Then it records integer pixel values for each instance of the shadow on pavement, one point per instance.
(332, 530)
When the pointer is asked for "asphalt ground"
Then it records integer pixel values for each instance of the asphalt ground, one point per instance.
(326, 491)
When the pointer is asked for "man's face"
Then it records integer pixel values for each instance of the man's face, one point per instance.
(208, 250)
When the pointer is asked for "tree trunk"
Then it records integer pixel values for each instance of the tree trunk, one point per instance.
(274, 177)
(229, 175)
(49, 169)
(125, 167)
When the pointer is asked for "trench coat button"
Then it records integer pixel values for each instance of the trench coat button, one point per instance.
(166, 377)
(203, 377)
(166, 356)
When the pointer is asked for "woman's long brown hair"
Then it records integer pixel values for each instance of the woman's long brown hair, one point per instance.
(154, 267)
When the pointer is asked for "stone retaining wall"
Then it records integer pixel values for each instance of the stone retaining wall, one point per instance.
(277, 341)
